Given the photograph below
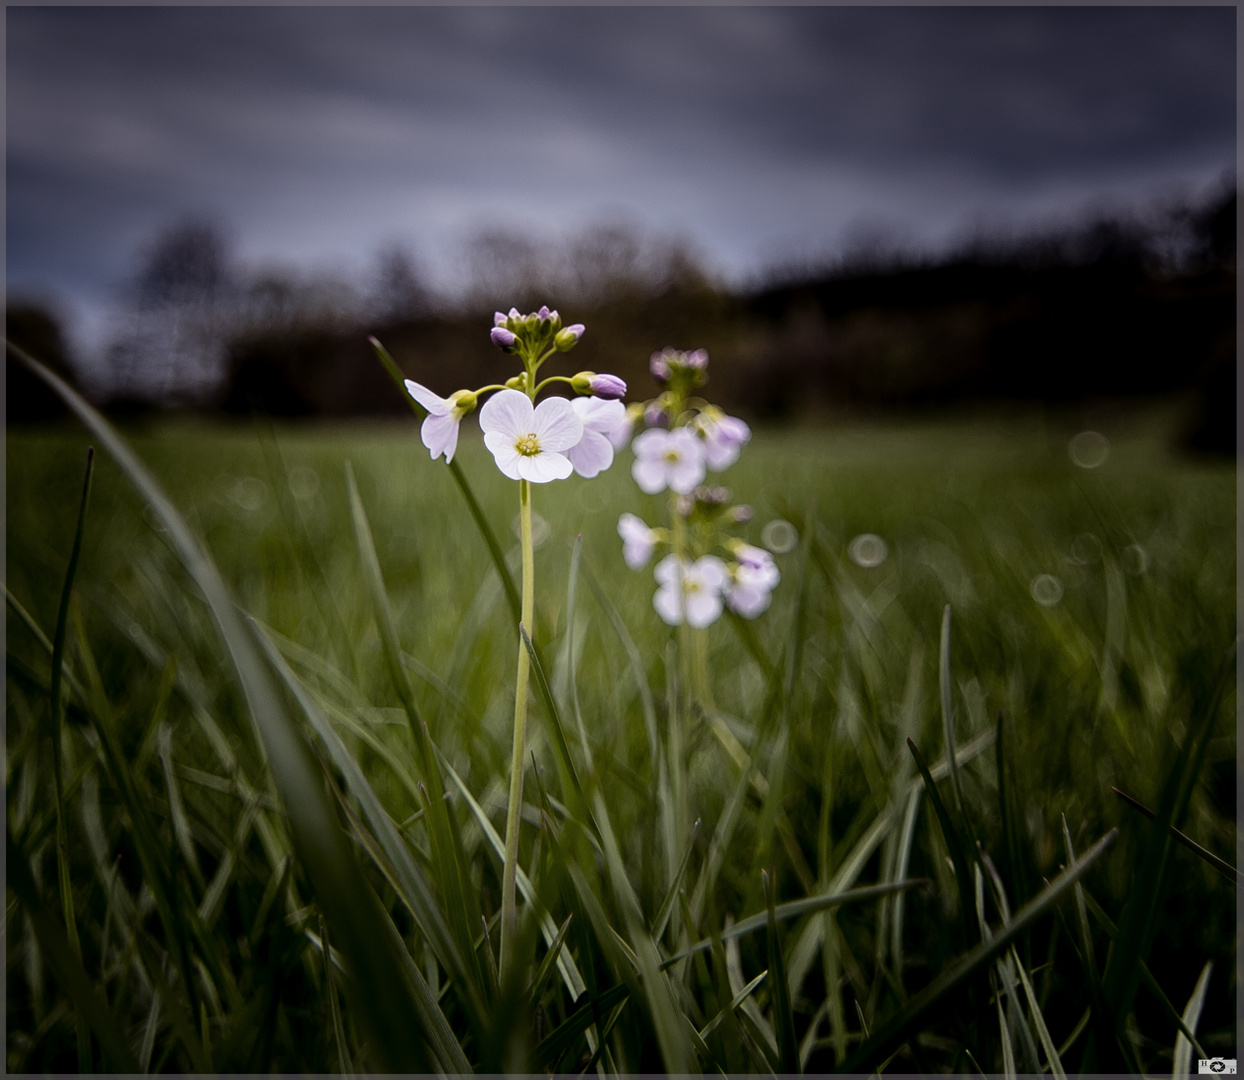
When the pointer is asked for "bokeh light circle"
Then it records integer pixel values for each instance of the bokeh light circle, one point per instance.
(1136, 559)
(779, 536)
(1047, 590)
(1089, 449)
(304, 482)
(868, 550)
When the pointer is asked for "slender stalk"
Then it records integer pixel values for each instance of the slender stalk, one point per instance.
(509, 910)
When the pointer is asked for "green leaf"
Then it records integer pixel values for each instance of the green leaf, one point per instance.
(788, 1045)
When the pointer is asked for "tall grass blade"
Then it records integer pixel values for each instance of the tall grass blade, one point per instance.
(788, 1045)
(946, 691)
(954, 841)
(894, 1031)
(351, 907)
(460, 899)
(57, 731)
(1141, 915)
(1053, 1062)
(1192, 1013)
(662, 917)
(411, 884)
(477, 513)
(1221, 865)
(66, 966)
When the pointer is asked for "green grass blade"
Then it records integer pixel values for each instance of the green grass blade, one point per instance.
(793, 909)
(1192, 1013)
(788, 1045)
(946, 692)
(460, 900)
(410, 883)
(894, 1031)
(57, 732)
(477, 514)
(66, 966)
(662, 917)
(954, 841)
(350, 905)
(735, 1003)
(1221, 865)
(561, 1040)
(545, 694)
(1141, 915)
(1053, 1062)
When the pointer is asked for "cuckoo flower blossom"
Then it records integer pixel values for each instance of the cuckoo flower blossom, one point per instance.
(690, 591)
(638, 541)
(530, 443)
(752, 579)
(593, 453)
(440, 428)
(667, 459)
(724, 437)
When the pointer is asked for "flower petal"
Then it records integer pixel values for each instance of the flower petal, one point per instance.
(434, 403)
(440, 435)
(667, 570)
(598, 414)
(503, 450)
(703, 609)
(592, 455)
(668, 604)
(507, 411)
(650, 444)
(649, 475)
(712, 572)
(557, 426)
(543, 467)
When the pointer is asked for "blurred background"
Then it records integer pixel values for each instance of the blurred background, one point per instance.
(858, 211)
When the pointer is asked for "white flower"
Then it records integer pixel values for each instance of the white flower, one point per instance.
(530, 443)
(638, 541)
(724, 437)
(621, 435)
(440, 426)
(748, 591)
(690, 590)
(673, 459)
(593, 453)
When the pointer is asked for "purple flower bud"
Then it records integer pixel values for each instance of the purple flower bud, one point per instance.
(502, 338)
(697, 359)
(607, 386)
(654, 415)
(659, 367)
(498, 319)
(544, 313)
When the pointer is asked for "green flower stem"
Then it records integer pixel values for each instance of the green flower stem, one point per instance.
(509, 910)
(513, 815)
(680, 708)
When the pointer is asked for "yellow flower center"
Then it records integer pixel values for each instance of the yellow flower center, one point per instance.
(672, 456)
(690, 586)
(528, 445)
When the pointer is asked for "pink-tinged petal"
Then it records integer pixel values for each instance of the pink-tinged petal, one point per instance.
(703, 609)
(507, 411)
(598, 414)
(434, 403)
(649, 475)
(541, 468)
(621, 435)
(719, 456)
(557, 425)
(667, 570)
(650, 443)
(440, 436)
(760, 577)
(712, 572)
(748, 600)
(631, 528)
(502, 447)
(668, 604)
(592, 455)
(637, 553)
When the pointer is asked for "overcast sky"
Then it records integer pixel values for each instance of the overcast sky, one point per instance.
(758, 133)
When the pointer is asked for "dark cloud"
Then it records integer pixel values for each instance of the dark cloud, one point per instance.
(326, 130)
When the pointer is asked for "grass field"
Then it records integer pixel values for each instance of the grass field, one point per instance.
(1090, 608)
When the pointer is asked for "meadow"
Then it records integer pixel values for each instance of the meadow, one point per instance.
(882, 837)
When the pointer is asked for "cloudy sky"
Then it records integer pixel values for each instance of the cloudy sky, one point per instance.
(318, 134)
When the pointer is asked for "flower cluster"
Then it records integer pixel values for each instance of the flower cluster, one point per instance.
(685, 438)
(537, 443)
